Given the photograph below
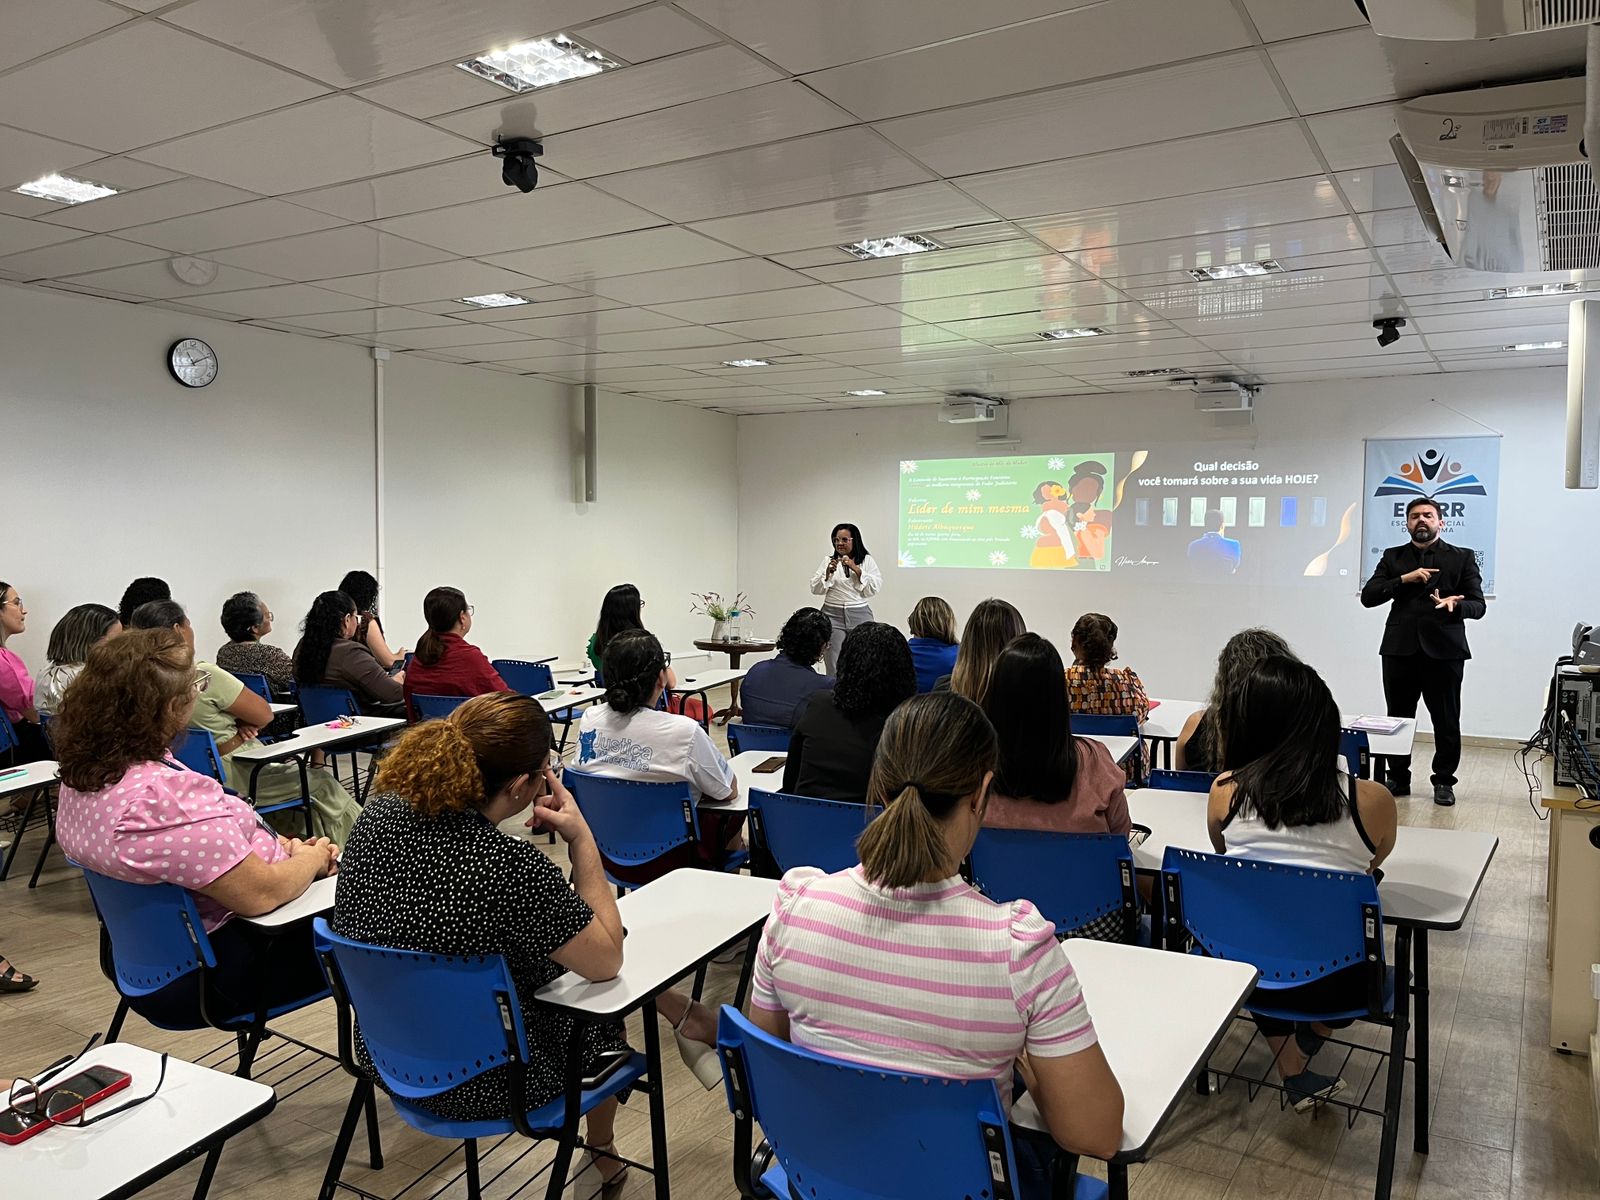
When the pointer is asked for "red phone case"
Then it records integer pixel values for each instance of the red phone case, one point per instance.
(119, 1080)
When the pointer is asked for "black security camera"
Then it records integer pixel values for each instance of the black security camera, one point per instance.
(1389, 329)
(520, 170)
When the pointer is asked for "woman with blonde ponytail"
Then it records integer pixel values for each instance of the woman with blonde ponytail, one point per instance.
(900, 964)
(428, 868)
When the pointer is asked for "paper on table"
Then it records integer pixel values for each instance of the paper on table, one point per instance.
(1378, 724)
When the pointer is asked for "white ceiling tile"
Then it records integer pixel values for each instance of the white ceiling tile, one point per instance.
(27, 30)
(364, 42)
(838, 222)
(25, 156)
(1021, 327)
(585, 325)
(1279, 19)
(1335, 70)
(156, 280)
(613, 95)
(1291, 241)
(1395, 226)
(664, 247)
(1371, 189)
(1198, 164)
(1357, 137)
(433, 91)
(457, 333)
(476, 177)
(175, 199)
(200, 84)
(441, 281)
(1325, 332)
(908, 335)
(231, 226)
(119, 171)
(1039, 298)
(755, 305)
(566, 212)
(1497, 337)
(841, 162)
(1085, 43)
(288, 300)
(1246, 322)
(659, 339)
(768, 113)
(695, 283)
(18, 234)
(1415, 256)
(74, 257)
(311, 145)
(840, 321)
(582, 304)
(832, 265)
(1155, 106)
(348, 250)
(824, 33)
(647, 33)
(371, 320)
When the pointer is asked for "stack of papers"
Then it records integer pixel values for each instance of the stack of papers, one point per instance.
(1378, 724)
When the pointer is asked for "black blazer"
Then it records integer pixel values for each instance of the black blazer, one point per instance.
(1415, 625)
(830, 754)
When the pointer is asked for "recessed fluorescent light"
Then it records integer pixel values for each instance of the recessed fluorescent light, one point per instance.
(1153, 371)
(867, 392)
(1265, 266)
(1057, 335)
(889, 247)
(747, 362)
(495, 300)
(1537, 289)
(1536, 346)
(64, 189)
(539, 63)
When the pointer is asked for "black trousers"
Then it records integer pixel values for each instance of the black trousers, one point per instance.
(1437, 683)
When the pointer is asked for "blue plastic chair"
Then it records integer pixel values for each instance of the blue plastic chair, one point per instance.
(1180, 781)
(757, 737)
(436, 708)
(197, 750)
(1073, 879)
(256, 682)
(396, 996)
(643, 829)
(926, 1137)
(535, 679)
(1356, 750)
(9, 742)
(319, 705)
(155, 937)
(799, 831)
(1106, 724)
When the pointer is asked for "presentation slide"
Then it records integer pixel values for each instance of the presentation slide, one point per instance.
(1173, 513)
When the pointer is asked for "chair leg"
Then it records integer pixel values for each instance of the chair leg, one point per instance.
(202, 1186)
(44, 851)
(699, 981)
(359, 1095)
(746, 971)
(374, 1145)
(249, 1042)
(470, 1146)
(1394, 1085)
(114, 1030)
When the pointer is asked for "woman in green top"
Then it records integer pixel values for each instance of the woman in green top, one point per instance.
(233, 714)
(619, 611)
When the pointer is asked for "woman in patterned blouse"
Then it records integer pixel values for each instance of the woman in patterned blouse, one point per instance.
(1093, 686)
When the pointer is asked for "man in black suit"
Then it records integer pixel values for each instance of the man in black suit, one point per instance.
(1432, 589)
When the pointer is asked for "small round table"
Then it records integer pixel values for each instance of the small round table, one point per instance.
(733, 650)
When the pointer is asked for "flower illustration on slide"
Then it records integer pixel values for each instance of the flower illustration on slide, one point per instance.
(1029, 531)
(998, 558)
(908, 467)
(928, 562)
(907, 559)
(974, 494)
(1057, 464)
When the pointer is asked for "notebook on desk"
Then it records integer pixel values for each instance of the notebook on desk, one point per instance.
(1378, 724)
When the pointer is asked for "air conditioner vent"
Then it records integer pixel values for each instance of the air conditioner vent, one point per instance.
(1569, 217)
(1553, 14)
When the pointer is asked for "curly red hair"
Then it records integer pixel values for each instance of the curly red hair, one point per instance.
(462, 761)
(126, 706)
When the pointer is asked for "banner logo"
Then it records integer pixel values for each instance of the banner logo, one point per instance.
(1431, 472)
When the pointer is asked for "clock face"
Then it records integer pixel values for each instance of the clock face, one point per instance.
(192, 362)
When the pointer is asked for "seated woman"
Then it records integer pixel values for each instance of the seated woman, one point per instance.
(234, 716)
(621, 609)
(82, 628)
(16, 683)
(328, 655)
(1093, 685)
(1199, 746)
(628, 737)
(361, 587)
(992, 626)
(899, 964)
(141, 591)
(933, 641)
(836, 731)
(1284, 796)
(247, 620)
(124, 800)
(445, 663)
(429, 838)
(774, 689)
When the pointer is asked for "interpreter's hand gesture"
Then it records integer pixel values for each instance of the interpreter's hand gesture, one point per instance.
(1420, 575)
(557, 811)
(1448, 603)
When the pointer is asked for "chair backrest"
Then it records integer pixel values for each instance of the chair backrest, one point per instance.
(398, 995)
(44, 728)
(799, 831)
(256, 682)
(434, 708)
(1294, 924)
(634, 822)
(1356, 750)
(1181, 781)
(197, 750)
(155, 932)
(1073, 879)
(530, 679)
(1106, 724)
(757, 737)
(319, 705)
(8, 736)
(926, 1136)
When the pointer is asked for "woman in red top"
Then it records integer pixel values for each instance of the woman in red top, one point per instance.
(445, 663)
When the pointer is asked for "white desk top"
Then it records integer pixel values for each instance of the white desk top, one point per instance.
(29, 775)
(570, 697)
(672, 924)
(1155, 1056)
(1120, 747)
(1429, 880)
(574, 673)
(702, 681)
(744, 770)
(311, 737)
(314, 901)
(1167, 721)
(195, 1103)
(279, 709)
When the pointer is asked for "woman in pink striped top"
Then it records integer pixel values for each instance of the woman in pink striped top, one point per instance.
(898, 963)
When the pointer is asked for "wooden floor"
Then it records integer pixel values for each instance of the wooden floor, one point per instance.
(1511, 1118)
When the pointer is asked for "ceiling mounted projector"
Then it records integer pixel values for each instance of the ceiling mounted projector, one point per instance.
(1218, 395)
(1470, 20)
(969, 410)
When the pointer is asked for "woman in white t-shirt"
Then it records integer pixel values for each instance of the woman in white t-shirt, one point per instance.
(627, 737)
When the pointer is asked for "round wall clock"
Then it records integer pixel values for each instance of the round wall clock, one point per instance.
(192, 362)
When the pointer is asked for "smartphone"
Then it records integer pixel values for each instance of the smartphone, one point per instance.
(604, 1067)
(552, 694)
(770, 765)
(64, 1101)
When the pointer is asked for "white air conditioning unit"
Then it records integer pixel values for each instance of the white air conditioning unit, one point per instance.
(1464, 20)
(968, 410)
(1504, 171)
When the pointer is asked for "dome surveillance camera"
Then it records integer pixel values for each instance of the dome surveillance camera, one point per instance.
(520, 170)
(1389, 329)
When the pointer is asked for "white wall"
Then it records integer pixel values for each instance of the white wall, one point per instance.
(265, 481)
(800, 473)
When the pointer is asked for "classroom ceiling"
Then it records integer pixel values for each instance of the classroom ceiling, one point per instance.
(326, 163)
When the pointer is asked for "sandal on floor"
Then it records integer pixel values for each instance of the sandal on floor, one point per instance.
(609, 1188)
(700, 1058)
(13, 980)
